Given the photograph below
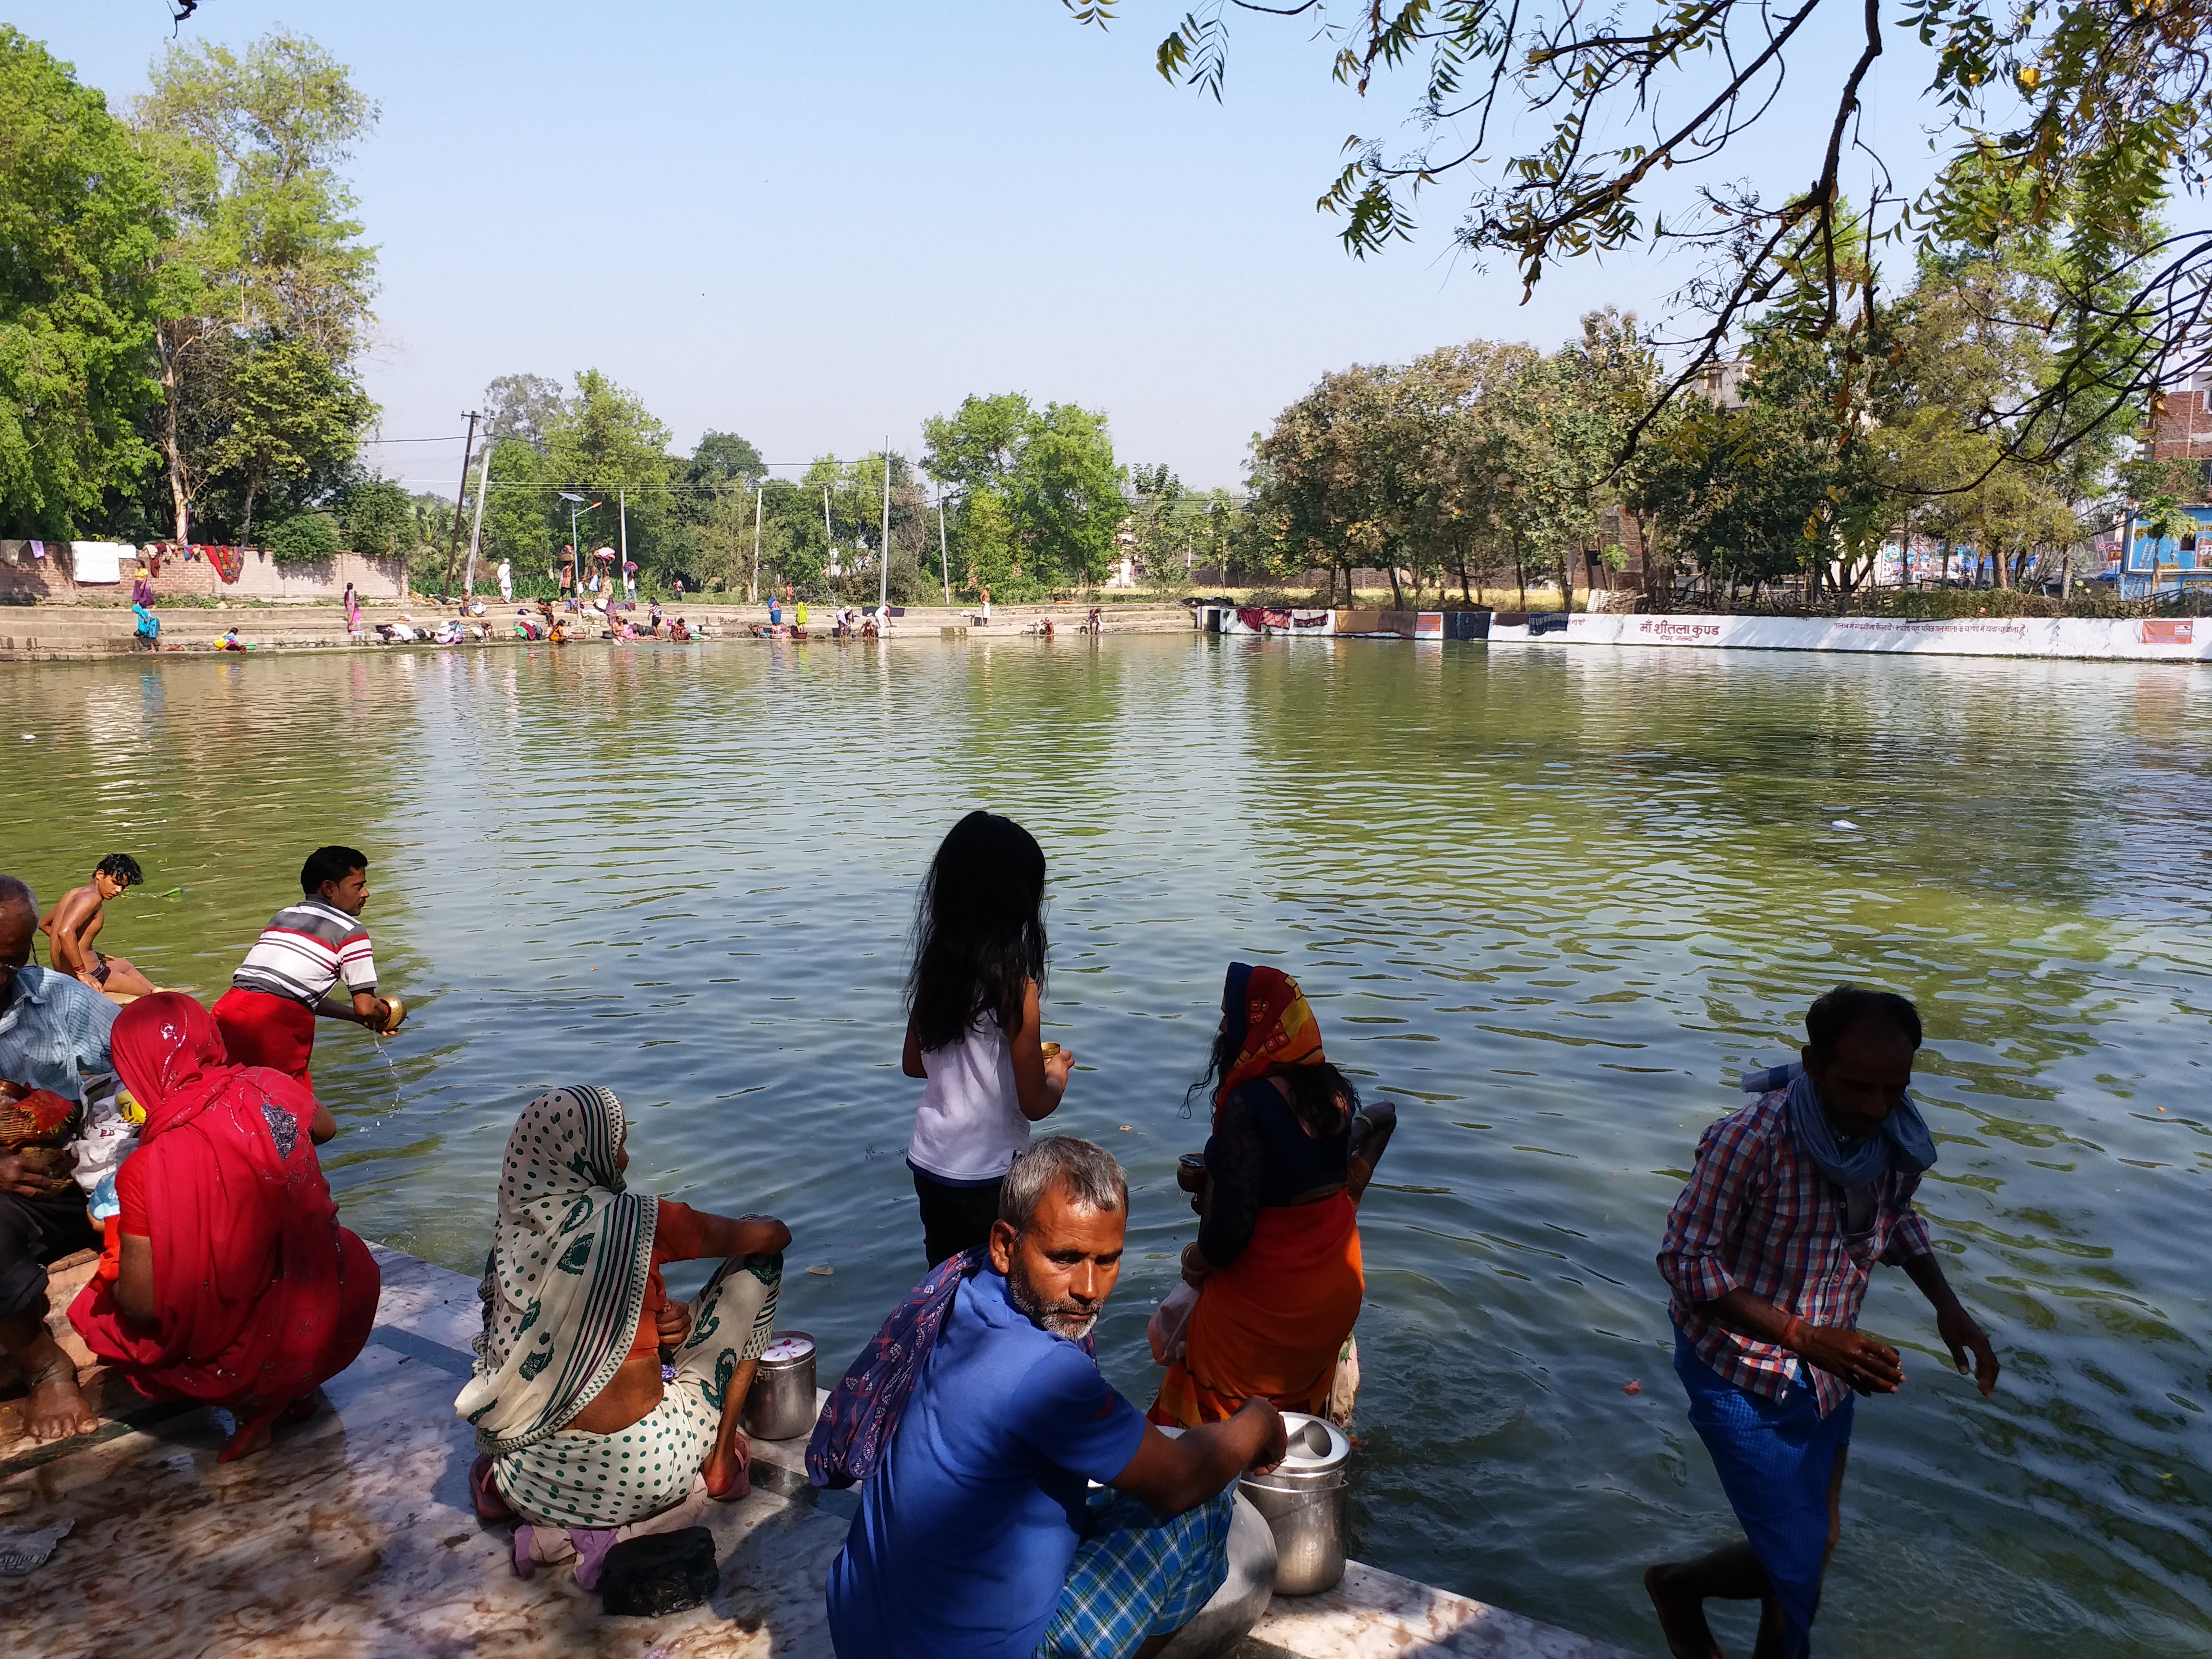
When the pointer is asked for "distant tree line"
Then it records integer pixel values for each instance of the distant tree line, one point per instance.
(1490, 464)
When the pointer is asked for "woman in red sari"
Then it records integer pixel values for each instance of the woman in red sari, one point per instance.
(1277, 1264)
(233, 1284)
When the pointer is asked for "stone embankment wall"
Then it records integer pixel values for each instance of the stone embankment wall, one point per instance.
(2148, 639)
(52, 580)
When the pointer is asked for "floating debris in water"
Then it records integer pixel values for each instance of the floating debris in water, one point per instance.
(1841, 824)
(822, 1267)
(1633, 1387)
(30, 737)
(1126, 1130)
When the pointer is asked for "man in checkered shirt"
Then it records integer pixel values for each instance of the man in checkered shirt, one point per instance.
(1767, 1251)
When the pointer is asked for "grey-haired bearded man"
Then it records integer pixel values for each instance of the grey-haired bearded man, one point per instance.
(977, 1536)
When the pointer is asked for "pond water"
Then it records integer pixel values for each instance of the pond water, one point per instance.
(1552, 902)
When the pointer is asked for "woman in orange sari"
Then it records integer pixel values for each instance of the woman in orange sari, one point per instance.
(1276, 1260)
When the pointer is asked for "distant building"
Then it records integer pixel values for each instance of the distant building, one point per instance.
(2181, 430)
(1721, 383)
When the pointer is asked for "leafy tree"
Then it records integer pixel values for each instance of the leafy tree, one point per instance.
(2091, 108)
(264, 245)
(723, 458)
(1066, 494)
(1050, 471)
(380, 519)
(517, 525)
(80, 217)
(302, 539)
(290, 413)
(979, 443)
(523, 406)
(608, 445)
(990, 545)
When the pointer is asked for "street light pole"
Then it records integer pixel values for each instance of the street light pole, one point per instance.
(884, 582)
(754, 594)
(944, 558)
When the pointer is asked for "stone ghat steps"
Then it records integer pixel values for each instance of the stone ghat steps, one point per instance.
(64, 632)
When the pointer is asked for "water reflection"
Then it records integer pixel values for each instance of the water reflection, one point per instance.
(1553, 900)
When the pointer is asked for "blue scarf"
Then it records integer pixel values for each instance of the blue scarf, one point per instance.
(1902, 1142)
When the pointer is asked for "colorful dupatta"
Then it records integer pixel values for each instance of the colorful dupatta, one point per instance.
(863, 1411)
(564, 1285)
(1268, 1018)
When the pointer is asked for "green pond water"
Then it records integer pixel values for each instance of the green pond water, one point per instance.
(1551, 901)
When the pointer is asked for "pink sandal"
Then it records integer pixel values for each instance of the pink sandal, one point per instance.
(491, 1505)
(742, 1484)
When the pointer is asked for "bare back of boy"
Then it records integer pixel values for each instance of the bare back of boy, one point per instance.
(71, 925)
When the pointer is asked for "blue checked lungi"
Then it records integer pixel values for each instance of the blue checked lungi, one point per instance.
(1137, 1575)
(1774, 1459)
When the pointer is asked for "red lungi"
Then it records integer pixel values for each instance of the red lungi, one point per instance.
(259, 1029)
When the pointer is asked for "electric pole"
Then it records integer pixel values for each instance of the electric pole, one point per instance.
(460, 491)
(476, 531)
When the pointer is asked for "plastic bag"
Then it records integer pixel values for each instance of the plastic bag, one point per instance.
(1169, 1323)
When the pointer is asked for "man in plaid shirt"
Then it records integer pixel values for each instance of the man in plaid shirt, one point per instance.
(1767, 1251)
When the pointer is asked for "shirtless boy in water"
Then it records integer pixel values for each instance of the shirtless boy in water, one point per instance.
(75, 920)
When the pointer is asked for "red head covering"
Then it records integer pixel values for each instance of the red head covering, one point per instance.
(169, 1053)
(1267, 1019)
(257, 1289)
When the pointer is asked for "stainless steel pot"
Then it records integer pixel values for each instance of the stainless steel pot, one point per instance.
(781, 1404)
(1303, 1502)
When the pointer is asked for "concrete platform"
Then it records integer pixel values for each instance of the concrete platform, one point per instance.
(51, 633)
(355, 1536)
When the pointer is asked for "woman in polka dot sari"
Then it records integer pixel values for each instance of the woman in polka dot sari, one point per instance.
(582, 1422)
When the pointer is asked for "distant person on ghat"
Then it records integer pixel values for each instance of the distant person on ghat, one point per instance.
(1793, 1201)
(268, 1015)
(74, 921)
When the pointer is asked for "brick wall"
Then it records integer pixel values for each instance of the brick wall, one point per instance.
(52, 580)
(2181, 427)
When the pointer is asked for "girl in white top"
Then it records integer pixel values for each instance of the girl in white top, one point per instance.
(972, 1027)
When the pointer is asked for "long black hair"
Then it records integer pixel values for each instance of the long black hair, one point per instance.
(978, 929)
(1322, 1097)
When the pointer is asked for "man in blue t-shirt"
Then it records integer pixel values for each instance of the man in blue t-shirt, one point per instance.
(978, 1537)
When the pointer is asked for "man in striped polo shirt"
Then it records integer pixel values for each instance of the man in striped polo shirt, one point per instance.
(268, 1015)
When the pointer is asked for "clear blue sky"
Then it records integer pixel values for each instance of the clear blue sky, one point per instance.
(819, 224)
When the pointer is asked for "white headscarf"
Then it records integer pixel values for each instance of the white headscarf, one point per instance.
(564, 1285)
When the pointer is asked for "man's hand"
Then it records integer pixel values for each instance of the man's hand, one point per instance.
(1864, 1364)
(1961, 1333)
(34, 1174)
(1276, 1445)
(672, 1323)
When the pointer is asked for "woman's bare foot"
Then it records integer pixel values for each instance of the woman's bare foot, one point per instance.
(57, 1409)
(1682, 1617)
(729, 1473)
